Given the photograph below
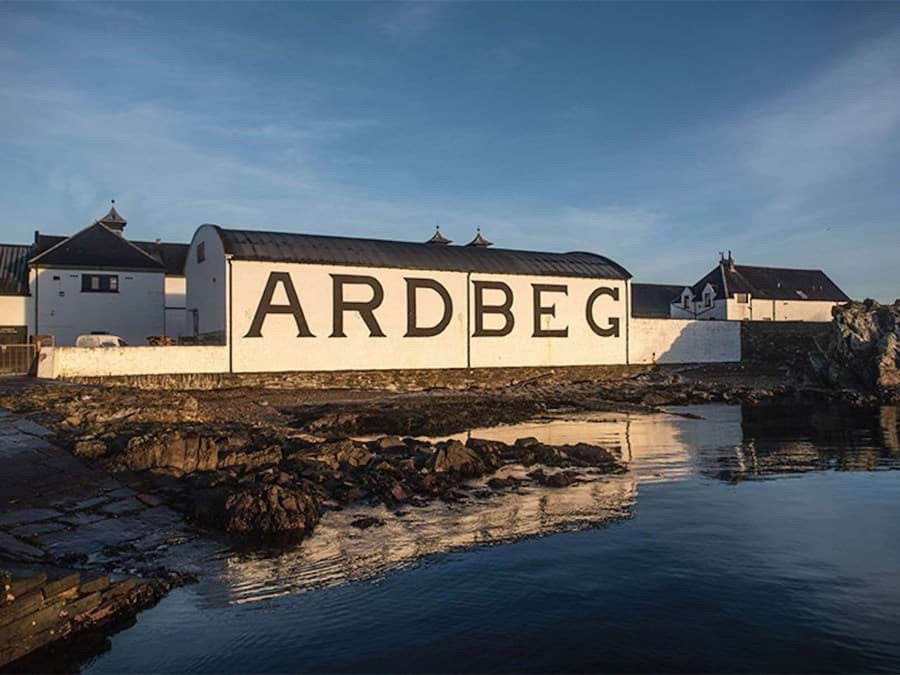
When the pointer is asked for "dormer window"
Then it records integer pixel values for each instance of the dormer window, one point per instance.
(686, 301)
(707, 299)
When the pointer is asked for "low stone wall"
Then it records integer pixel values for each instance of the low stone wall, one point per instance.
(684, 341)
(39, 607)
(782, 343)
(69, 362)
(372, 380)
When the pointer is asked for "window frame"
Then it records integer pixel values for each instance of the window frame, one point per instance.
(99, 283)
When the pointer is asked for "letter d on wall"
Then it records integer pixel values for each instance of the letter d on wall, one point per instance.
(412, 328)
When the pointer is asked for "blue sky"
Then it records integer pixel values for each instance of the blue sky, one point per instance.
(656, 134)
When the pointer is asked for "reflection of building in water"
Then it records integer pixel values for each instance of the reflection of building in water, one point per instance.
(338, 553)
(654, 447)
(780, 439)
(728, 443)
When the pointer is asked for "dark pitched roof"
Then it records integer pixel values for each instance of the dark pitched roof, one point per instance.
(169, 254)
(14, 269)
(96, 247)
(771, 283)
(652, 301)
(320, 249)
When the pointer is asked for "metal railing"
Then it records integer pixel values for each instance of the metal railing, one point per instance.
(17, 359)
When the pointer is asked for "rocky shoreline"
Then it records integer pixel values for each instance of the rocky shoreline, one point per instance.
(261, 465)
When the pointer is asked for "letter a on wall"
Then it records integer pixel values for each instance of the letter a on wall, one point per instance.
(266, 306)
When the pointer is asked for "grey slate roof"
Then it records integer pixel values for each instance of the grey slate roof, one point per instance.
(653, 301)
(171, 255)
(96, 247)
(14, 269)
(771, 283)
(330, 250)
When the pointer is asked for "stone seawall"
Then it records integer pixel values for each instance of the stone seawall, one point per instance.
(782, 343)
(38, 608)
(372, 380)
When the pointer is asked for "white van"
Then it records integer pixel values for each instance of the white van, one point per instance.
(100, 340)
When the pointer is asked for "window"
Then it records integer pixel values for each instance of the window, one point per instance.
(99, 283)
(686, 301)
(707, 299)
(201, 251)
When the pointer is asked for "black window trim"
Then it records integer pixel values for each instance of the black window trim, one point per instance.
(86, 283)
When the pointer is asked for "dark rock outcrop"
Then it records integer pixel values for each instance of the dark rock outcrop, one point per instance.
(266, 510)
(863, 350)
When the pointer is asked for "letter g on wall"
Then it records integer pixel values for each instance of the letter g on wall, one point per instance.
(613, 329)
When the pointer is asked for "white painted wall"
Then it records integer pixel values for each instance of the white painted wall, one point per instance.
(206, 288)
(803, 310)
(280, 349)
(582, 346)
(61, 362)
(684, 341)
(176, 297)
(757, 309)
(134, 313)
(15, 310)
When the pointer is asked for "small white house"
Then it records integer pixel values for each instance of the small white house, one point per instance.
(93, 281)
(745, 292)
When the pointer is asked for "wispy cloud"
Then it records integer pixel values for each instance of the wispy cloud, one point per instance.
(407, 21)
(828, 128)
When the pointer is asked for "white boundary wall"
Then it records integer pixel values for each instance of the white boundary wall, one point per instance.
(62, 362)
(684, 341)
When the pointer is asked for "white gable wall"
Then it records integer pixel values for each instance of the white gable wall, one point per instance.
(134, 313)
(176, 322)
(205, 295)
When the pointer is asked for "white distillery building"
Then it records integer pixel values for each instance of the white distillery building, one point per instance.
(295, 302)
(94, 281)
(749, 293)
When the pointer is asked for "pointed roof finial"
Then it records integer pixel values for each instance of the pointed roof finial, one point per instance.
(479, 240)
(112, 219)
(438, 238)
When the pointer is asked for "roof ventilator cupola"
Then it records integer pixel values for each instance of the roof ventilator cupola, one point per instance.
(480, 241)
(438, 238)
(113, 221)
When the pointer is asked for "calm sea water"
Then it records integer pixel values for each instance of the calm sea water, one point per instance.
(762, 539)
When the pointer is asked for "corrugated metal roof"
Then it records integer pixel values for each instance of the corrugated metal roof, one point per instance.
(14, 269)
(329, 250)
(772, 283)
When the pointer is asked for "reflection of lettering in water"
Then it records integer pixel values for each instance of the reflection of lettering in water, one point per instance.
(657, 448)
